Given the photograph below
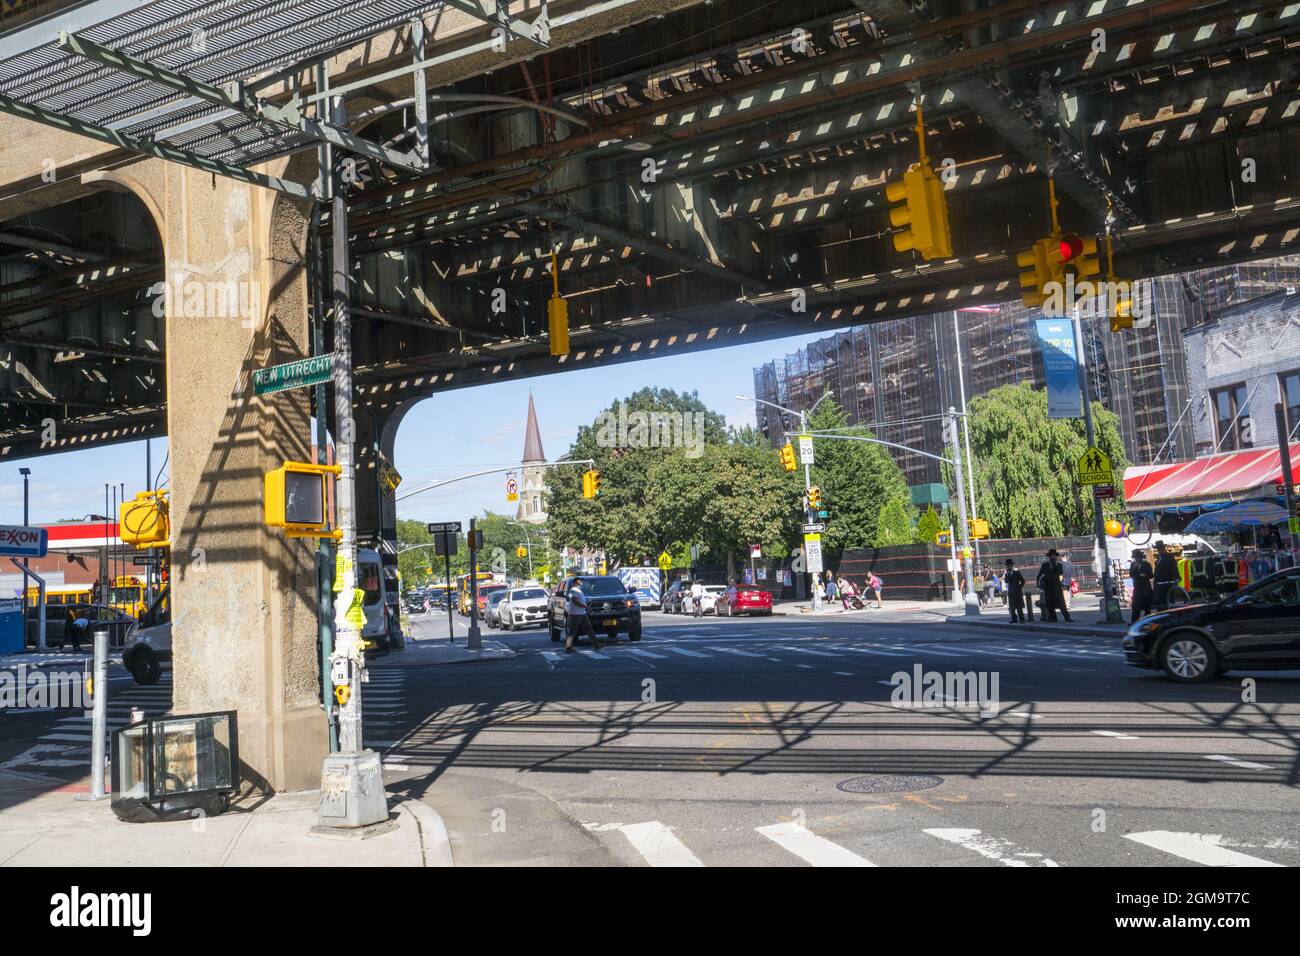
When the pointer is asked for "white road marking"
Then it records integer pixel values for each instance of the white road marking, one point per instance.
(842, 673)
(1234, 761)
(735, 650)
(804, 650)
(596, 654)
(686, 653)
(872, 650)
(1115, 734)
(930, 650)
(994, 848)
(1023, 713)
(657, 844)
(1197, 847)
(809, 847)
(644, 653)
(552, 655)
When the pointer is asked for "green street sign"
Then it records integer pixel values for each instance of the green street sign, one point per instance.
(308, 371)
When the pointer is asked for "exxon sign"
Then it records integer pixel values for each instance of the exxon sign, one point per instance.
(21, 542)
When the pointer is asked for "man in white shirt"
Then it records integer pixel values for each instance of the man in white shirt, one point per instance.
(697, 597)
(579, 621)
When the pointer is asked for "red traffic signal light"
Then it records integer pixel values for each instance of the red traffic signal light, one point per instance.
(1071, 246)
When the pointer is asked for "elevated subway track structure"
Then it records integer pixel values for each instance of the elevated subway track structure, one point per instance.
(707, 173)
(767, 136)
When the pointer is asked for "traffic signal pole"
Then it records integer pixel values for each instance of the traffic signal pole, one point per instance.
(971, 601)
(352, 784)
(808, 511)
(1111, 615)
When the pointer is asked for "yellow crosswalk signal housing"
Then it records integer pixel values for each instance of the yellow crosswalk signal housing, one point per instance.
(787, 457)
(979, 528)
(1039, 271)
(943, 539)
(918, 203)
(1079, 257)
(143, 521)
(557, 314)
(521, 552)
(590, 483)
(294, 499)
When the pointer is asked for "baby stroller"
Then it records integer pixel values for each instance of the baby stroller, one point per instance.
(855, 602)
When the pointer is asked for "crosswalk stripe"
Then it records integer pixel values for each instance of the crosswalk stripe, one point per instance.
(642, 652)
(994, 848)
(736, 650)
(1237, 762)
(804, 650)
(596, 654)
(685, 652)
(657, 844)
(1197, 847)
(809, 847)
(1115, 734)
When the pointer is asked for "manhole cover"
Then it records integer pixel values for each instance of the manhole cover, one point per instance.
(889, 783)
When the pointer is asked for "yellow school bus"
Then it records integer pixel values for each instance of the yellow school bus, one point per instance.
(61, 594)
(127, 594)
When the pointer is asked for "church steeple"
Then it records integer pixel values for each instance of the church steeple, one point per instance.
(532, 436)
(532, 496)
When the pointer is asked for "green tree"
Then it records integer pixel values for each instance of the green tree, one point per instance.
(894, 524)
(1025, 464)
(621, 520)
(419, 566)
(928, 525)
(857, 479)
(503, 536)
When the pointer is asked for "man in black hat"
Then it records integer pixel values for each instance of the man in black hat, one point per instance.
(1141, 573)
(1049, 583)
(1166, 574)
(1014, 583)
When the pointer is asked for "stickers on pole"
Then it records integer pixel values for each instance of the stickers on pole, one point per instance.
(342, 571)
(356, 613)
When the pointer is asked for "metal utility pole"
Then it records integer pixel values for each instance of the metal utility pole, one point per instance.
(811, 516)
(1284, 450)
(27, 474)
(475, 640)
(1110, 614)
(352, 786)
(971, 601)
(965, 425)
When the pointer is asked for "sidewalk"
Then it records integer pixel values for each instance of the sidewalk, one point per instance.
(441, 651)
(1086, 614)
(43, 824)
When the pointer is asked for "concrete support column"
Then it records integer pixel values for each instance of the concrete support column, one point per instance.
(376, 513)
(244, 617)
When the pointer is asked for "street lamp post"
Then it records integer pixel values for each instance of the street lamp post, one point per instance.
(807, 469)
(27, 474)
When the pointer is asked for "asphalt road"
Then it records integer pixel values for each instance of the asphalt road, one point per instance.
(732, 742)
(775, 742)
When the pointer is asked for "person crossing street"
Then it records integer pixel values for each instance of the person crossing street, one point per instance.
(578, 620)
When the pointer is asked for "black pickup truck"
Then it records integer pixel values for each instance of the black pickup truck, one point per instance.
(612, 608)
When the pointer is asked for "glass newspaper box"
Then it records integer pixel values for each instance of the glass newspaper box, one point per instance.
(179, 766)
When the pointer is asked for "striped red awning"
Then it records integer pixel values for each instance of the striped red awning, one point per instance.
(1218, 479)
(82, 536)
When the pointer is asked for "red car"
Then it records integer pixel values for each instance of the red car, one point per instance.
(744, 600)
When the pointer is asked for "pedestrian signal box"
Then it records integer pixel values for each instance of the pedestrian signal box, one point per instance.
(295, 499)
(943, 539)
(144, 521)
(979, 528)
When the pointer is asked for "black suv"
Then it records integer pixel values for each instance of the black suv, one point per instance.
(610, 605)
(673, 596)
(1256, 628)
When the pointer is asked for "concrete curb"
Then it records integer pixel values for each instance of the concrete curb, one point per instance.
(433, 832)
(1039, 627)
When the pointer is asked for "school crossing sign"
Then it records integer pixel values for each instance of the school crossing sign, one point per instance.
(1094, 468)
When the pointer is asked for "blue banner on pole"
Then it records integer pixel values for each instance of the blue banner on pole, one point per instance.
(1061, 367)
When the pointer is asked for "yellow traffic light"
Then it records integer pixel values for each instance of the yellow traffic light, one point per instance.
(521, 552)
(979, 528)
(814, 498)
(557, 314)
(943, 538)
(787, 457)
(590, 483)
(1079, 257)
(295, 499)
(919, 203)
(144, 520)
(1040, 262)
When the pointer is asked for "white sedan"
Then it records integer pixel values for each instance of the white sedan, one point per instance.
(522, 607)
(708, 600)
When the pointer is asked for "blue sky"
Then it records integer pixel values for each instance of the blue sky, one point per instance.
(450, 434)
